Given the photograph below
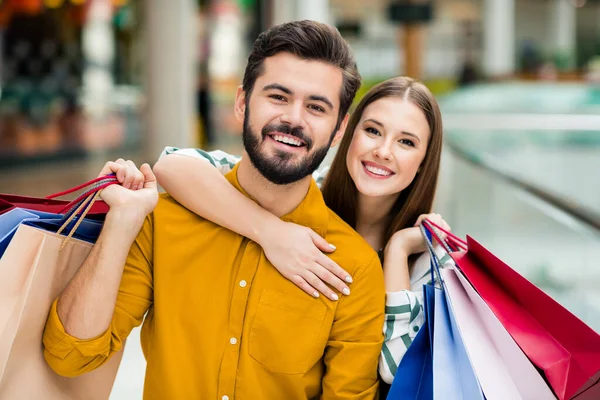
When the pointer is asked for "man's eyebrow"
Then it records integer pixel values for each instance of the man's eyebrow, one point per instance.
(277, 86)
(314, 97)
(322, 99)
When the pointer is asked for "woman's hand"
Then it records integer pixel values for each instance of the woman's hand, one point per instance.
(297, 252)
(410, 240)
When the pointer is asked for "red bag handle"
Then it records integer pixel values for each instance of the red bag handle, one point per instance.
(83, 185)
(449, 235)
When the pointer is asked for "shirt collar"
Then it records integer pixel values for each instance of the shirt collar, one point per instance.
(311, 212)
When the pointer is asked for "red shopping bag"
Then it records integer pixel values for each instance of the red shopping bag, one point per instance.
(5, 206)
(49, 204)
(563, 347)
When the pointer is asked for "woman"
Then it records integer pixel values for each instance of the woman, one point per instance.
(382, 182)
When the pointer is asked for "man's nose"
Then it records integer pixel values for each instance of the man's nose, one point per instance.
(294, 115)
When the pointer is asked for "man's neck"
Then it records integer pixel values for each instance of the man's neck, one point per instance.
(277, 199)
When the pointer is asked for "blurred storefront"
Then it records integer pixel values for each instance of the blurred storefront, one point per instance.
(81, 77)
(70, 78)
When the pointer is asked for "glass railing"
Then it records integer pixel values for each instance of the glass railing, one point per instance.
(531, 198)
(520, 97)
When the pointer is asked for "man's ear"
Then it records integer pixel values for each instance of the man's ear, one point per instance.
(339, 134)
(240, 104)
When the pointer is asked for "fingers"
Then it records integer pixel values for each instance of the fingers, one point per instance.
(327, 278)
(315, 281)
(127, 173)
(138, 177)
(302, 284)
(321, 243)
(435, 218)
(149, 178)
(421, 218)
(438, 220)
(335, 269)
(129, 177)
(112, 167)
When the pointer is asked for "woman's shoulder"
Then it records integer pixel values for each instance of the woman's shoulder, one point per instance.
(220, 159)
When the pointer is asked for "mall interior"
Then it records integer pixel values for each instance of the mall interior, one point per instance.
(87, 81)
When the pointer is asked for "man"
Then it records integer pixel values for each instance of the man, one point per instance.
(221, 321)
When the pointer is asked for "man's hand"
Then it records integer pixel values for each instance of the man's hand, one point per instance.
(135, 197)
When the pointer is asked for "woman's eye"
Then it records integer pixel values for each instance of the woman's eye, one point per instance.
(407, 142)
(373, 131)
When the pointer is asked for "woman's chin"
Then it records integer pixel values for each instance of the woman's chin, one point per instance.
(372, 191)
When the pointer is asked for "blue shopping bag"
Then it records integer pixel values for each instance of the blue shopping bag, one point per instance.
(436, 365)
(453, 374)
(88, 230)
(414, 377)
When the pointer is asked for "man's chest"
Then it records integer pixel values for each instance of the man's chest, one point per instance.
(229, 296)
(222, 274)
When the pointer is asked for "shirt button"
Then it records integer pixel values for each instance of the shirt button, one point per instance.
(225, 397)
(243, 283)
(233, 340)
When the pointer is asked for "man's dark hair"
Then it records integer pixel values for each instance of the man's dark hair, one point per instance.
(308, 40)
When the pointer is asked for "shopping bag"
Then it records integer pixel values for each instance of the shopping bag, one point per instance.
(9, 222)
(436, 365)
(51, 205)
(88, 230)
(5, 207)
(414, 377)
(563, 347)
(500, 365)
(34, 270)
(502, 369)
(453, 373)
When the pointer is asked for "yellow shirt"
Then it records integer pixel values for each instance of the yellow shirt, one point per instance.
(223, 323)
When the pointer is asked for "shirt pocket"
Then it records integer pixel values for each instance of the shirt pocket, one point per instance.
(284, 336)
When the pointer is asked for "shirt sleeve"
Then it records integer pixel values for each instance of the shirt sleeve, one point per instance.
(221, 160)
(355, 339)
(404, 314)
(70, 356)
(403, 318)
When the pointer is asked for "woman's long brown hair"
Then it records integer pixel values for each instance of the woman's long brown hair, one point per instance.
(339, 190)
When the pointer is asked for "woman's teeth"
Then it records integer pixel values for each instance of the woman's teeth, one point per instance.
(377, 171)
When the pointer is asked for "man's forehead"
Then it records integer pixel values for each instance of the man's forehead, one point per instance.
(303, 77)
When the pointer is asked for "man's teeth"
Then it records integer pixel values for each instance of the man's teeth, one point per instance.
(377, 171)
(287, 140)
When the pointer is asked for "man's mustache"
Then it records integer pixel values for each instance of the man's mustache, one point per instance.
(283, 128)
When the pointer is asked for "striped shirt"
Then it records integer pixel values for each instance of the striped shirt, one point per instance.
(403, 310)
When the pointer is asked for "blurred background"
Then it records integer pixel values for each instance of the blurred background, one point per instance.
(85, 81)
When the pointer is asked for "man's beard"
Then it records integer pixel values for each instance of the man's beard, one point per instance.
(278, 169)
